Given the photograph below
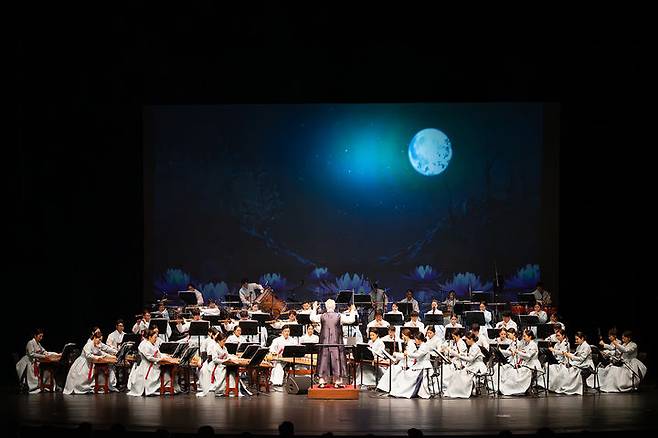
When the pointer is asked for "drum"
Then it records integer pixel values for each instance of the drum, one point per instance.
(550, 310)
(518, 309)
(270, 303)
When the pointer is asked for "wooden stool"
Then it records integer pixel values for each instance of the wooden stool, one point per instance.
(232, 369)
(263, 378)
(172, 372)
(43, 367)
(105, 369)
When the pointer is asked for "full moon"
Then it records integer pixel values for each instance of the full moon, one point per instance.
(430, 151)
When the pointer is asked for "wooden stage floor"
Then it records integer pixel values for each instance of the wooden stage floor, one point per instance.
(369, 414)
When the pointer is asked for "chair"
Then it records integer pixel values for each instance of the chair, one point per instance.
(483, 380)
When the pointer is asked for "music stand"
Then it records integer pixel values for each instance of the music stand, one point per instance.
(528, 298)
(188, 355)
(242, 346)
(132, 337)
(381, 331)
(232, 299)
(362, 300)
(249, 352)
(199, 329)
(161, 324)
(362, 353)
(231, 347)
(500, 358)
(460, 307)
(414, 331)
(406, 309)
(545, 330)
(249, 328)
(394, 318)
(450, 331)
(550, 360)
(168, 347)
(212, 319)
(304, 318)
(344, 297)
(433, 319)
(390, 346)
(474, 316)
(493, 333)
(294, 351)
(189, 298)
(296, 330)
(383, 355)
(480, 296)
(528, 321)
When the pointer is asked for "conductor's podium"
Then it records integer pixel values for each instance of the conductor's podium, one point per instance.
(330, 392)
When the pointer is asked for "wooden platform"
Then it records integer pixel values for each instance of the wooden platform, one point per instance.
(331, 393)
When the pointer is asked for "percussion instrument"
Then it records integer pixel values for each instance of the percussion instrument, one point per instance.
(518, 309)
(270, 303)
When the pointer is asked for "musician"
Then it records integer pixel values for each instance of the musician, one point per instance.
(502, 337)
(487, 314)
(582, 357)
(609, 350)
(244, 316)
(626, 374)
(512, 342)
(401, 364)
(462, 380)
(539, 313)
(309, 337)
(199, 295)
(409, 298)
(212, 374)
(212, 309)
(236, 337)
(29, 364)
(249, 292)
(162, 311)
(453, 322)
(394, 310)
(434, 309)
(102, 346)
(366, 369)
(145, 374)
(276, 349)
(434, 340)
(391, 337)
(379, 299)
(507, 321)
(563, 379)
(331, 360)
(451, 300)
(516, 376)
(80, 375)
(482, 341)
(542, 295)
(116, 337)
(306, 308)
(554, 319)
(292, 319)
(142, 325)
(413, 382)
(414, 322)
(184, 327)
(379, 320)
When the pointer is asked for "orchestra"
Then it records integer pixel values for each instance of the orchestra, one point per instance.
(421, 353)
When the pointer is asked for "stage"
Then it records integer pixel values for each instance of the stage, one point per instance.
(369, 415)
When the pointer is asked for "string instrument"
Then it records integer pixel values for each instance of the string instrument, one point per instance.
(51, 358)
(105, 359)
(298, 360)
(270, 303)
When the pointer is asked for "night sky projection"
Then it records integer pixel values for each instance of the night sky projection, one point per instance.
(316, 198)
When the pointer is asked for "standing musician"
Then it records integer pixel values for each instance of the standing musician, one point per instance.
(379, 299)
(29, 364)
(451, 300)
(199, 295)
(249, 292)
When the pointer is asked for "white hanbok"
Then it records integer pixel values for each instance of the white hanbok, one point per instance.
(420, 325)
(306, 339)
(29, 365)
(144, 377)
(413, 381)
(114, 339)
(461, 382)
(561, 378)
(212, 375)
(516, 376)
(395, 369)
(626, 374)
(80, 376)
(277, 347)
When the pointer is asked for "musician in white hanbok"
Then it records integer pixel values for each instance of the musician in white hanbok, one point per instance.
(394, 338)
(401, 362)
(379, 320)
(29, 364)
(516, 376)
(562, 378)
(414, 322)
(80, 376)
(625, 370)
(115, 338)
(413, 381)
(236, 337)
(507, 322)
(142, 325)
(276, 349)
(144, 377)
(453, 350)
(453, 323)
(582, 357)
(365, 371)
(462, 380)
(482, 340)
(212, 375)
(487, 317)
(539, 313)
(309, 337)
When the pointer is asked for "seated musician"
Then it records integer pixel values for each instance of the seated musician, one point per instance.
(487, 314)
(434, 309)
(292, 319)
(626, 372)
(367, 369)
(379, 320)
(276, 349)
(213, 372)
(162, 311)
(507, 321)
(80, 376)
(306, 308)
(413, 382)
(554, 319)
(116, 337)
(394, 310)
(29, 364)
(502, 337)
(236, 337)
(142, 324)
(542, 295)
(453, 322)
(483, 340)
(244, 316)
(462, 380)
(409, 299)
(184, 327)
(539, 313)
(309, 337)
(102, 346)
(212, 309)
(414, 322)
(144, 377)
(391, 337)
(396, 369)
(255, 308)
(249, 292)
(563, 379)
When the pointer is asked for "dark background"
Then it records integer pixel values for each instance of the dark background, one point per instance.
(76, 249)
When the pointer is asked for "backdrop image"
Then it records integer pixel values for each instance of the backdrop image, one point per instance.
(315, 198)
